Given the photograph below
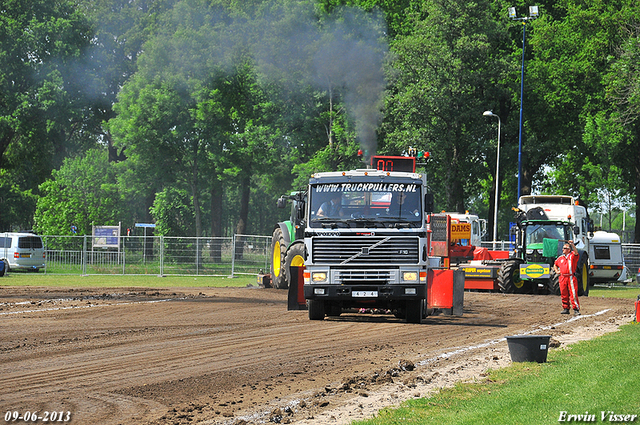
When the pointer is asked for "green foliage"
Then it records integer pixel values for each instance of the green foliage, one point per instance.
(82, 193)
(16, 204)
(173, 214)
(230, 104)
(447, 71)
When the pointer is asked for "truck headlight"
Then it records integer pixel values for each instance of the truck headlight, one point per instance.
(319, 276)
(410, 276)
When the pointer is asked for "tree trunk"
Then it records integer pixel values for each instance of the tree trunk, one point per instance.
(216, 219)
(241, 228)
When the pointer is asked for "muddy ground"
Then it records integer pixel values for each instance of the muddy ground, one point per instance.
(237, 356)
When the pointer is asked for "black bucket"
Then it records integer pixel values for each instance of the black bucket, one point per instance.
(528, 348)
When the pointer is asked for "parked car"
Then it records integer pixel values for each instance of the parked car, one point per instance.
(22, 251)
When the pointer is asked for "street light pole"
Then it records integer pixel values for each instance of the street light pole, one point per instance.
(533, 14)
(497, 180)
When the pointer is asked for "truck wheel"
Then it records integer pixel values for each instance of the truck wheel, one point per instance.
(335, 310)
(553, 284)
(278, 249)
(509, 279)
(582, 273)
(414, 311)
(294, 258)
(316, 309)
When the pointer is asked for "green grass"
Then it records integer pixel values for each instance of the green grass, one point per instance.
(629, 291)
(593, 376)
(119, 281)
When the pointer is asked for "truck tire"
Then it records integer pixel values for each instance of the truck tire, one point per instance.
(582, 274)
(278, 249)
(553, 285)
(414, 311)
(316, 309)
(295, 256)
(509, 279)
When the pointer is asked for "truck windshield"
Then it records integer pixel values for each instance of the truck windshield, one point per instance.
(373, 205)
(538, 232)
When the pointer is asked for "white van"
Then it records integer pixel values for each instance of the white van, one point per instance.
(605, 257)
(21, 251)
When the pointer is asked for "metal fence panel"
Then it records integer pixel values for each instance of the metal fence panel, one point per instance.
(159, 255)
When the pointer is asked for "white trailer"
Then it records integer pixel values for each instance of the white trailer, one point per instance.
(606, 263)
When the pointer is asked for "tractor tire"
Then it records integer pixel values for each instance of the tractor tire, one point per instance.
(582, 274)
(509, 279)
(316, 309)
(414, 311)
(278, 250)
(553, 285)
(295, 256)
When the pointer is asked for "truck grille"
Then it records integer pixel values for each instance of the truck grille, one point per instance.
(364, 277)
(357, 250)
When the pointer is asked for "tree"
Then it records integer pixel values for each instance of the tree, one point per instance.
(41, 101)
(447, 72)
(83, 192)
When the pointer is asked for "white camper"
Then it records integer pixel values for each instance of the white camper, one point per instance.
(605, 255)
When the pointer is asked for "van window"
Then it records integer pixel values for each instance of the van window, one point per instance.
(601, 252)
(30, 242)
(5, 242)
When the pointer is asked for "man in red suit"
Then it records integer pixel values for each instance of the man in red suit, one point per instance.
(566, 265)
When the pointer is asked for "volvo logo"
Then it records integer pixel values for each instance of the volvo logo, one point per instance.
(331, 234)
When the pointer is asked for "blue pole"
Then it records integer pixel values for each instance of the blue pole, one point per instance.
(524, 26)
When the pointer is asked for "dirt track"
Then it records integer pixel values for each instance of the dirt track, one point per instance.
(236, 355)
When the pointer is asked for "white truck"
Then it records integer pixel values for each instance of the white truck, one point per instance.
(364, 242)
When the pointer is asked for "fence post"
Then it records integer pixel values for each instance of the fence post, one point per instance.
(84, 255)
(233, 255)
(161, 250)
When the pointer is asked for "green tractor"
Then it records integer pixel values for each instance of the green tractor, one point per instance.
(539, 240)
(287, 241)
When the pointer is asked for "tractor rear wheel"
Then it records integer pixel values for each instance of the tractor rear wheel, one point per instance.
(582, 273)
(553, 284)
(509, 279)
(293, 258)
(278, 249)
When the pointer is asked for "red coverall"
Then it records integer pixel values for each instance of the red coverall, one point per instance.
(568, 263)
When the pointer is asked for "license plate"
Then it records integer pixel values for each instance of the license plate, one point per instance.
(364, 294)
(25, 255)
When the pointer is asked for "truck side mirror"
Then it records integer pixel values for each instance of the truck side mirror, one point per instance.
(429, 204)
(300, 210)
(281, 202)
(576, 230)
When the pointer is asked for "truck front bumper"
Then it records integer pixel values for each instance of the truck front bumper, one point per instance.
(365, 293)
